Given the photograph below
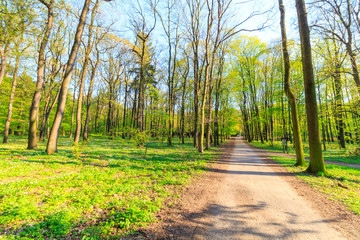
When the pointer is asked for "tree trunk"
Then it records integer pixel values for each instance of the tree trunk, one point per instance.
(185, 76)
(72, 113)
(4, 52)
(316, 157)
(88, 98)
(34, 110)
(83, 76)
(125, 108)
(52, 142)
(47, 110)
(300, 159)
(338, 105)
(12, 95)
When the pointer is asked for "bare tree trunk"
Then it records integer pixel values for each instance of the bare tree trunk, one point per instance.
(300, 159)
(72, 112)
(322, 122)
(47, 110)
(34, 110)
(185, 76)
(88, 99)
(125, 107)
(338, 105)
(83, 75)
(52, 143)
(11, 102)
(316, 157)
(4, 52)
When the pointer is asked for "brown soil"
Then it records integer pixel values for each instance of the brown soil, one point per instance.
(246, 195)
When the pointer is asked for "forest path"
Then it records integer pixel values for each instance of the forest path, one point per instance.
(254, 202)
(249, 200)
(246, 195)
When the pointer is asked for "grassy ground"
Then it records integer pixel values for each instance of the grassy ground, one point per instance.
(333, 152)
(105, 188)
(342, 183)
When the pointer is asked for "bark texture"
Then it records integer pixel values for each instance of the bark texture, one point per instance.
(34, 110)
(300, 159)
(11, 102)
(316, 157)
(52, 143)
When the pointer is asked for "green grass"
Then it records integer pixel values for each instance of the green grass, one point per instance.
(105, 189)
(333, 152)
(342, 184)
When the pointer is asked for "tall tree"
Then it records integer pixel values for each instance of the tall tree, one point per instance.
(173, 43)
(316, 158)
(54, 134)
(195, 7)
(95, 65)
(84, 72)
(300, 159)
(11, 101)
(34, 110)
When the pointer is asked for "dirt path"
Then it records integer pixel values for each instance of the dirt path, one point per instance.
(245, 195)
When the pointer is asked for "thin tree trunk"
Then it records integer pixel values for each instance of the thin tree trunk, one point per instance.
(338, 104)
(185, 76)
(83, 76)
(52, 142)
(88, 98)
(34, 110)
(125, 108)
(3, 52)
(47, 111)
(11, 102)
(300, 159)
(72, 112)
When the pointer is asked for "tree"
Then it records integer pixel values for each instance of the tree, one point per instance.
(300, 159)
(34, 110)
(83, 73)
(12, 94)
(91, 89)
(13, 15)
(141, 50)
(316, 159)
(173, 43)
(52, 142)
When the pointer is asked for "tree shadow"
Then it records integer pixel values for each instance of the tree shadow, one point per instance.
(217, 221)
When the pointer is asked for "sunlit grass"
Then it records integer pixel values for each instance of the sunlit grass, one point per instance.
(104, 188)
(342, 184)
(333, 151)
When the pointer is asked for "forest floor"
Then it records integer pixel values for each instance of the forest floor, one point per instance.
(350, 163)
(247, 195)
(333, 155)
(105, 189)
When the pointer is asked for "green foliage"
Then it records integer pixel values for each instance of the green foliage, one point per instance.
(141, 138)
(113, 193)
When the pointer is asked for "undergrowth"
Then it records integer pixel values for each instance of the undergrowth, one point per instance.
(333, 153)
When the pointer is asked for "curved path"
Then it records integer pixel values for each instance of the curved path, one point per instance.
(247, 199)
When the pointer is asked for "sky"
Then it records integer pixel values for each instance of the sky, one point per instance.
(272, 32)
(118, 11)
